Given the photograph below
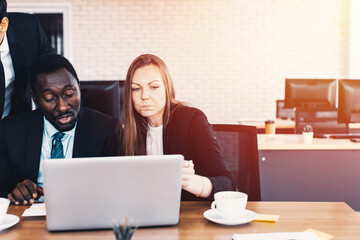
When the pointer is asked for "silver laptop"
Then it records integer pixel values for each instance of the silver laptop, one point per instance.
(90, 193)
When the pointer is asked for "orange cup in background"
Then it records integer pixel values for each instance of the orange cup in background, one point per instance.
(270, 127)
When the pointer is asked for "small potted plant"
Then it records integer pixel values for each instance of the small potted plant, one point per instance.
(124, 231)
(308, 134)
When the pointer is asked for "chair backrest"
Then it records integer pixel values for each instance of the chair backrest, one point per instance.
(103, 96)
(323, 121)
(238, 144)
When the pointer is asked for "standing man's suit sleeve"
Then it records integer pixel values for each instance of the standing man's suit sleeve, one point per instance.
(5, 166)
(27, 41)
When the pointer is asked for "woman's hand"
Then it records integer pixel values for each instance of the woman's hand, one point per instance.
(187, 173)
(193, 183)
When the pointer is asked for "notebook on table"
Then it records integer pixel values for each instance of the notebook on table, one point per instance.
(90, 193)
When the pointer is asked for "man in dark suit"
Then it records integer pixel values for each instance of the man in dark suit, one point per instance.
(22, 40)
(59, 128)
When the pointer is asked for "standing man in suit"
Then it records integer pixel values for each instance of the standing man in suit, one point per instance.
(22, 40)
(59, 128)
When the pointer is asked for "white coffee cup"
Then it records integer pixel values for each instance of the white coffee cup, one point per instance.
(229, 204)
(4, 205)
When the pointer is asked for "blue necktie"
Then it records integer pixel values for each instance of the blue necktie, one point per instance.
(57, 150)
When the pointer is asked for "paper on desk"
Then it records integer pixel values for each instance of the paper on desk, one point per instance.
(321, 235)
(266, 218)
(37, 209)
(277, 236)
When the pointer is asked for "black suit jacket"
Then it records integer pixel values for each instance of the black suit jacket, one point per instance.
(27, 41)
(21, 141)
(189, 133)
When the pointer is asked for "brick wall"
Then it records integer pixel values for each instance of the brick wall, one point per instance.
(227, 57)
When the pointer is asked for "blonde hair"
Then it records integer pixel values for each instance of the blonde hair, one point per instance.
(132, 128)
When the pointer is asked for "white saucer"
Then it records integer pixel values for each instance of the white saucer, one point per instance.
(213, 216)
(9, 221)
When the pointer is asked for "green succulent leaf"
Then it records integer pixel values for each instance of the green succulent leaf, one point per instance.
(124, 231)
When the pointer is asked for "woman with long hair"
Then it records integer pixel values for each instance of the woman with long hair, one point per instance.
(154, 123)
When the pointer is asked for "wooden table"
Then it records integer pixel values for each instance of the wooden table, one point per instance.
(337, 219)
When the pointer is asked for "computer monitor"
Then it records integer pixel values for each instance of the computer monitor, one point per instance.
(284, 113)
(103, 96)
(349, 101)
(310, 93)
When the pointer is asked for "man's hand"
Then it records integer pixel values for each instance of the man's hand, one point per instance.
(25, 193)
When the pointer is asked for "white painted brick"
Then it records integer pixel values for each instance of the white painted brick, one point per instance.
(230, 58)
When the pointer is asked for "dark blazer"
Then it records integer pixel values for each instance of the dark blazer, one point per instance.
(189, 133)
(27, 41)
(21, 141)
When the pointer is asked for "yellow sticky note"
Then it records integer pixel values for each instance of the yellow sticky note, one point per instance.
(266, 218)
(321, 235)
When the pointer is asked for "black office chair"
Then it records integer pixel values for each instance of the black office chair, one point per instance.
(238, 144)
(103, 96)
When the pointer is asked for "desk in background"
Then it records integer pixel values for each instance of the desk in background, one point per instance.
(288, 126)
(327, 170)
(337, 219)
(282, 126)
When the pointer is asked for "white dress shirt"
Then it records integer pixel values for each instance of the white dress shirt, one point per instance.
(9, 75)
(67, 142)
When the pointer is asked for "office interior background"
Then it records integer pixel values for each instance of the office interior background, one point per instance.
(229, 58)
